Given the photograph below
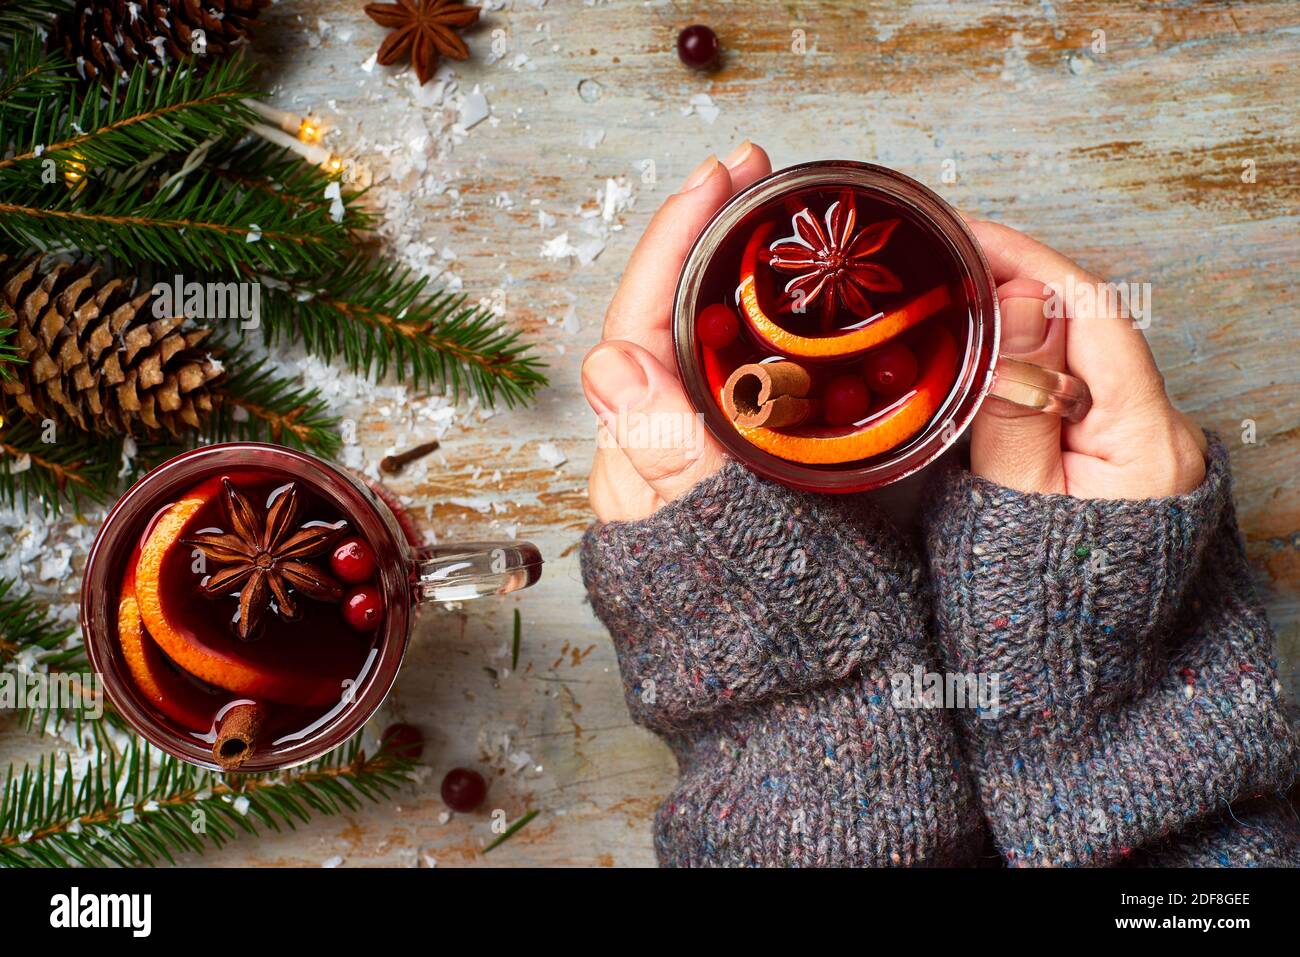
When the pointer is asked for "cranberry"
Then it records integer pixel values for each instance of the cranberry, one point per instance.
(845, 399)
(891, 369)
(717, 326)
(353, 561)
(698, 47)
(403, 740)
(463, 789)
(363, 608)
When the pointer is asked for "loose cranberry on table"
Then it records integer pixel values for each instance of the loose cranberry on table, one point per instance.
(403, 740)
(353, 561)
(717, 326)
(697, 46)
(463, 789)
(845, 400)
(891, 369)
(363, 608)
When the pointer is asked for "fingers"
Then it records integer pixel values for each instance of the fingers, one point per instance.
(616, 492)
(1014, 446)
(641, 310)
(1102, 346)
(643, 405)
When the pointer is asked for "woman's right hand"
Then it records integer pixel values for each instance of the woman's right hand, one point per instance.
(1132, 444)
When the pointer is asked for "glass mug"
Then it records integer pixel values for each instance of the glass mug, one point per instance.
(938, 252)
(327, 678)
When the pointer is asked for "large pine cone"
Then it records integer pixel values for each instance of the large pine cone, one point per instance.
(105, 40)
(95, 353)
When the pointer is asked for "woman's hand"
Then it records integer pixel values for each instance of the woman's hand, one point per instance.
(1133, 443)
(630, 378)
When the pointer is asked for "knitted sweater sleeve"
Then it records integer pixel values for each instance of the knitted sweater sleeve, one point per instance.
(1138, 694)
(756, 629)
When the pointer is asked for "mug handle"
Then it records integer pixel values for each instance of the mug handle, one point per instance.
(475, 569)
(1043, 390)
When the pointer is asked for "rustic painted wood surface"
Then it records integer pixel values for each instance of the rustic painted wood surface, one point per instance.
(1128, 158)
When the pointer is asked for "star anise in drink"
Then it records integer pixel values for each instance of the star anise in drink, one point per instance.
(830, 262)
(265, 558)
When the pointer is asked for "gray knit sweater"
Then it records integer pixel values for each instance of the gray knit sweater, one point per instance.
(1090, 682)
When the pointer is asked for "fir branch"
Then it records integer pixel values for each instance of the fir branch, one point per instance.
(378, 317)
(261, 405)
(28, 77)
(27, 626)
(204, 222)
(254, 164)
(153, 114)
(75, 469)
(140, 809)
(18, 17)
(8, 351)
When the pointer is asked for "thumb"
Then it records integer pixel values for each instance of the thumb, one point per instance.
(646, 412)
(1011, 445)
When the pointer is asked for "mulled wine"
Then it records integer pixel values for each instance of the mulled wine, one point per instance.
(235, 613)
(249, 605)
(831, 325)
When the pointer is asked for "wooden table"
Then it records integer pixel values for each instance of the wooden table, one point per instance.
(1119, 133)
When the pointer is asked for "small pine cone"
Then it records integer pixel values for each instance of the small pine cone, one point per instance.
(95, 353)
(105, 40)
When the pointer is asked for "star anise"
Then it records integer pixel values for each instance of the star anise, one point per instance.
(264, 558)
(831, 263)
(422, 30)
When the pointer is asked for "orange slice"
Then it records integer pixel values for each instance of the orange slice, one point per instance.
(846, 345)
(164, 689)
(885, 430)
(218, 662)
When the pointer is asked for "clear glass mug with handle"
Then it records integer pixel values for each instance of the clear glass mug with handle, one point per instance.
(931, 255)
(173, 661)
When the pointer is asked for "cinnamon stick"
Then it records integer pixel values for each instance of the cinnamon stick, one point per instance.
(771, 394)
(237, 735)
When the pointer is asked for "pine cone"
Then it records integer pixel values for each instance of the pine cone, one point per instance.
(105, 40)
(96, 354)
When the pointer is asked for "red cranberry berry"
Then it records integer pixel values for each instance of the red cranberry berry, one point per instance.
(363, 608)
(353, 561)
(845, 400)
(891, 369)
(717, 326)
(698, 47)
(463, 789)
(403, 740)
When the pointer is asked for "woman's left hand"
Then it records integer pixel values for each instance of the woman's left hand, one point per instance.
(632, 373)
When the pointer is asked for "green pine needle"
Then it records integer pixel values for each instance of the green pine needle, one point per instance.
(154, 114)
(379, 317)
(140, 808)
(8, 352)
(511, 831)
(260, 405)
(514, 645)
(19, 18)
(74, 470)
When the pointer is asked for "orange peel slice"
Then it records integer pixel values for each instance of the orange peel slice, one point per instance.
(161, 687)
(886, 430)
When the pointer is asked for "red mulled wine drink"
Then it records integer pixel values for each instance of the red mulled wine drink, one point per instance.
(249, 605)
(830, 326)
(836, 325)
(232, 623)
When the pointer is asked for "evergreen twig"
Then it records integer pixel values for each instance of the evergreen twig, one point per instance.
(18, 17)
(139, 808)
(261, 405)
(379, 318)
(76, 469)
